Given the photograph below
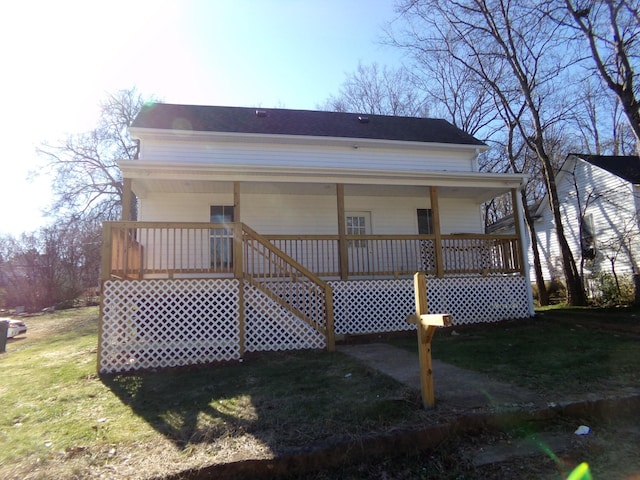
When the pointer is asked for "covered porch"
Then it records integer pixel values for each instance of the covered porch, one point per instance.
(185, 292)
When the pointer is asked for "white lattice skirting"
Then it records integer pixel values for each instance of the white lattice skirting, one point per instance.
(167, 323)
(270, 327)
(373, 306)
(148, 324)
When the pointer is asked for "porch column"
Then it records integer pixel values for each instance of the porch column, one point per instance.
(516, 202)
(127, 198)
(435, 216)
(236, 202)
(238, 265)
(343, 258)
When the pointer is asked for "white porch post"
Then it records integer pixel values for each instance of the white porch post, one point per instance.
(523, 236)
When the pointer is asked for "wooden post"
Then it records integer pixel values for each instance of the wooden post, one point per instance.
(127, 199)
(238, 269)
(515, 205)
(435, 217)
(427, 324)
(343, 254)
(331, 337)
(107, 254)
(236, 202)
(238, 265)
(105, 274)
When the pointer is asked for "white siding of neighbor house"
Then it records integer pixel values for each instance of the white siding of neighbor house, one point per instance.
(612, 203)
(313, 156)
(312, 214)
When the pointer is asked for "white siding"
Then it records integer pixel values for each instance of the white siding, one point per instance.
(460, 216)
(316, 156)
(611, 202)
(312, 214)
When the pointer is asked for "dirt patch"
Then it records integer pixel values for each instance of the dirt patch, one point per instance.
(538, 445)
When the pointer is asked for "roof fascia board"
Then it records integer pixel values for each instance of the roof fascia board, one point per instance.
(235, 137)
(165, 170)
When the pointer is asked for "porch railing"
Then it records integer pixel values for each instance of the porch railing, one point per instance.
(135, 250)
(173, 250)
(398, 255)
(287, 282)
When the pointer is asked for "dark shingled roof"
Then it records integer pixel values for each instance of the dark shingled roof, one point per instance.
(300, 122)
(626, 167)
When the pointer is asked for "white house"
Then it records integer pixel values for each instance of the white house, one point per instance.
(270, 229)
(600, 203)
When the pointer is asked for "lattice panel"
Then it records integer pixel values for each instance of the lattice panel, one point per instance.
(372, 306)
(166, 323)
(271, 327)
(479, 299)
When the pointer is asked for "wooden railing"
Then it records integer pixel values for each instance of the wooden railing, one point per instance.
(288, 283)
(169, 250)
(144, 249)
(134, 250)
(398, 255)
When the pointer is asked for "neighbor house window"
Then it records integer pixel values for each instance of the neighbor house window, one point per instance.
(588, 237)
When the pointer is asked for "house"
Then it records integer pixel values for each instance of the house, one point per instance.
(600, 203)
(275, 229)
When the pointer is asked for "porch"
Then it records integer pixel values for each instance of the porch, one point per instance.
(146, 250)
(184, 293)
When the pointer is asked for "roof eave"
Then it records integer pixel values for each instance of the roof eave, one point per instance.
(352, 142)
(147, 169)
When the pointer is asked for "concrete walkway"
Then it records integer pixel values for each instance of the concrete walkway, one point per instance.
(456, 387)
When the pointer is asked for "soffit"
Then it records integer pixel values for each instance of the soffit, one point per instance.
(143, 187)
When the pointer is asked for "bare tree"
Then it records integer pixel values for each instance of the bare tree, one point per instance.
(87, 181)
(379, 91)
(52, 266)
(611, 28)
(601, 126)
(515, 52)
(456, 94)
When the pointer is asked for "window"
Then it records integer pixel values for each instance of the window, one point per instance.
(425, 227)
(221, 239)
(358, 224)
(221, 214)
(425, 221)
(587, 237)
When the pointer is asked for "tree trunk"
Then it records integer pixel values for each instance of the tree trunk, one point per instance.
(543, 295)
(575, 289)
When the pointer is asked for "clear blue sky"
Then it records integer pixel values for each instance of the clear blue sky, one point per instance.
(60, 58)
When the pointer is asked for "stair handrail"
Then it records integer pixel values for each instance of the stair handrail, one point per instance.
(296, 271)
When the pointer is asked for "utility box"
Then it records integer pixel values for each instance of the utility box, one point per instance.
(4, 329)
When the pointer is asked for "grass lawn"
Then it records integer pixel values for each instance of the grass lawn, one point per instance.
(562, 353)
(60, 420)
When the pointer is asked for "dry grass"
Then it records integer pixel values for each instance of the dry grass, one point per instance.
(63, 421)
(60, 420)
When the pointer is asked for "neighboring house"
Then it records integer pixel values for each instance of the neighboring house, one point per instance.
(276, 229)
(600, 204)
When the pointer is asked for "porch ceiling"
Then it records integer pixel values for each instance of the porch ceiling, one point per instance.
(142, 187)
(194, 178)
